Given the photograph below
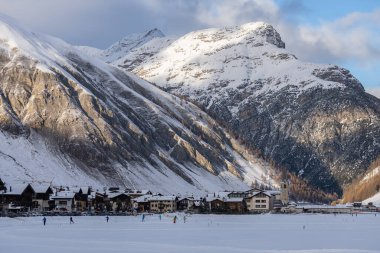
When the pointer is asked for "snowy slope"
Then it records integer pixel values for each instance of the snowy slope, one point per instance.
(122, 47)
(135, 56)
(32, 160)
(82, 120)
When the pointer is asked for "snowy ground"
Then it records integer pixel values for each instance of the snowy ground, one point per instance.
(201, 233)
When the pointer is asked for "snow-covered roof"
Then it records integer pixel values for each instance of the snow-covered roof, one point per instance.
(233, 200)
(116, 194)
(219, 194)
(16, 189)
(144, 198)
(163, 198)
(263, 192)
(63, 195)
(143, 192)
(40, 188)
(183, 198)
(273, 192)
(209, 199)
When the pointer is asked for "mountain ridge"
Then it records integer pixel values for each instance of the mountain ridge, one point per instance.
(309, 118)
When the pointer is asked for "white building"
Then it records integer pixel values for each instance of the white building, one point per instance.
(163, 203)
(260, 201)
(64, 201)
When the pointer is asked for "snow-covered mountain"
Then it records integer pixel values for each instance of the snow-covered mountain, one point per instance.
(122, 48)
(315, 120)
(68, 117)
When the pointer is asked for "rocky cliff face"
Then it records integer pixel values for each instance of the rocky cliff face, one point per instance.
(107, 123)
(315, 120)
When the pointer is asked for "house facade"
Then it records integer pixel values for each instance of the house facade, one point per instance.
(161, 204)
(19, 195)
(259, 202)
(185, 204)
(41, 200)
(64, 201)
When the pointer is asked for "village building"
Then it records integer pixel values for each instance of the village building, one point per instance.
(322, 209)
(120, 201)
(41, 199)
(235, 205)
(100, 202)
(64, 201)
(239, 194)
(137, 193)
(161, 204)
(259, 202)
(215, 204)
(20, 196)
(185, 204)
(81, 198)
(142, 203)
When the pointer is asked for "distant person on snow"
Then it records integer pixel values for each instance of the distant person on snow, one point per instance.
(142, 217)
(184, 219)
(107, 218)
(71, 220)
(160, 216)
(175, 219)
(44, 220)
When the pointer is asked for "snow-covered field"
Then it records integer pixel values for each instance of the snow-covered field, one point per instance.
(200, 233)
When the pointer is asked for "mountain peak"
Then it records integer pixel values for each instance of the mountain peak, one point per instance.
(154, 33)
(266, 31)
(126, 44)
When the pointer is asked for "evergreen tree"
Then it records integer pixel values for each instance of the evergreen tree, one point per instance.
(2, 185)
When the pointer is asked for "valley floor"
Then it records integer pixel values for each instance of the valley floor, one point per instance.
(268, 233)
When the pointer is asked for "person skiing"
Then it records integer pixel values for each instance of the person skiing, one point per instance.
(160, 216)
(175, 219)
(184, 219)
(107, 218)
(44, 220)
(142, 217)
(71, 220)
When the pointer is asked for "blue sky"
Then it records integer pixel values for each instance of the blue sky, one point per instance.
(342, 32)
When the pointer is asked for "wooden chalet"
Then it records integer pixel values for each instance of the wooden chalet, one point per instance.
(142, 203)
(19, 195)
(185, 204)
(120, 201)
(234, 205)
(81, 198)
(41, 200)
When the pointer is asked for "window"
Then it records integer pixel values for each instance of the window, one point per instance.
(257, 201)
(263, 201)
(263, 206)
(257, 206)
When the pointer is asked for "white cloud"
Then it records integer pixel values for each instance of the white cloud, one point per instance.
(230, 13)
(352, 37)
